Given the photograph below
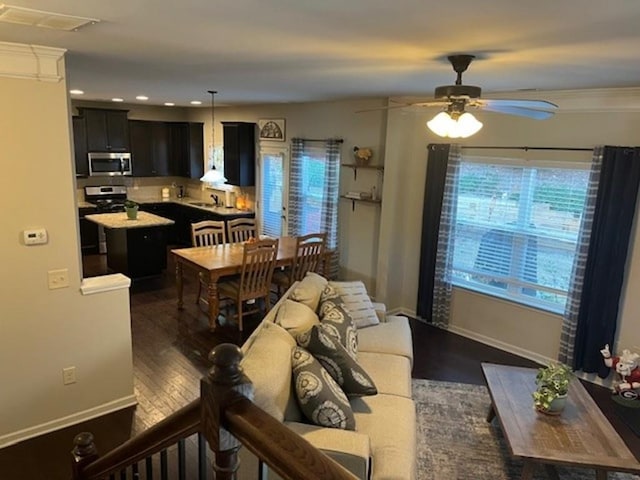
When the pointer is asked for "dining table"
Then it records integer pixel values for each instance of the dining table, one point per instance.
(217, 261)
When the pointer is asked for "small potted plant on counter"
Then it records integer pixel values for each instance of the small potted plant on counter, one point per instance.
(131, 208)
(553, 385)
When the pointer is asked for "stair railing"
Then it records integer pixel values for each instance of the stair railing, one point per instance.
(226, 417)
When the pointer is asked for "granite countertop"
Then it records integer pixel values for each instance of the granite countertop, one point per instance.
(120, 220)
(189, 202)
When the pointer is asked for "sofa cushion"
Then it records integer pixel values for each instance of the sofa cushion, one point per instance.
(337, 321)
(390, 423)
(267, 362)
(391, 373)
(320, 398)
(392, 336)
(351, 377)
(296, 317)
(350, 449)
(355, 297)
(308, 290)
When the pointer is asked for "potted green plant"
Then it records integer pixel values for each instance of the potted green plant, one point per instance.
(131, 208)
(552, 387)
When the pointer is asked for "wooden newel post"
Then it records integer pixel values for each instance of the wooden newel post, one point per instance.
(217, 390)
(84, 452)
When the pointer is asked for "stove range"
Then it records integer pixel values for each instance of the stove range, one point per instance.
(107, 198)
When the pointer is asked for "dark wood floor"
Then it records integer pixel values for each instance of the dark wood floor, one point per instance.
(170, 355)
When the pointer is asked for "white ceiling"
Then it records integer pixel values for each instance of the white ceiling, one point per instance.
(269, 51)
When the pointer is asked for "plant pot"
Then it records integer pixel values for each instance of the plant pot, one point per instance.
(556, 407)
(361, 162)
(132, 212)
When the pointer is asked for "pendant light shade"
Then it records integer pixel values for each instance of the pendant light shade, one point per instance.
(213, 176)
(445, 124)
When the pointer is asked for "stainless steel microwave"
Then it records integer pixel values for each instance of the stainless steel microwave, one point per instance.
(109, 164)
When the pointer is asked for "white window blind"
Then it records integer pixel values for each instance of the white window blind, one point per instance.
(516, 230)
(271, 192)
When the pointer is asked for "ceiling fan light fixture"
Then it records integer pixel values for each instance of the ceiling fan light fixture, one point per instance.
(445, 125)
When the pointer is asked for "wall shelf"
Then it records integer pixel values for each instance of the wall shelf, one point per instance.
(355, 168)
(360, 200)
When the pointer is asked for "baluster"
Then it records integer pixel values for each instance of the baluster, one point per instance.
(149, 467)
(202, 457)
(182, 464)
(84, 452)
(224, 378)
(164, 475)
(135, 471)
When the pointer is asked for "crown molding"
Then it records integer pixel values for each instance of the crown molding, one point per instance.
(31, 62)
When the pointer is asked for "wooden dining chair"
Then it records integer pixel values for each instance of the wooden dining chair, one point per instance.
(309, 255)
(254, 283)
(242, 229)
(206, 234)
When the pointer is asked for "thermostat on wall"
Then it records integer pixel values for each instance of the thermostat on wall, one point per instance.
(35, 236)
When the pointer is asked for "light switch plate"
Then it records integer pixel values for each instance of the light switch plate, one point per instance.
(58, 278)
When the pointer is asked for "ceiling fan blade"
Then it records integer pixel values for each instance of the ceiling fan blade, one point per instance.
(519, 111)
(531, 104)
(434, 103)
(389, 107)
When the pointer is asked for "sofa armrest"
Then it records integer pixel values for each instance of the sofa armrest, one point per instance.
(350, 449)
(381, 311)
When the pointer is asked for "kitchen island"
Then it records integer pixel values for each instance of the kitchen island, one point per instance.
(136, 248)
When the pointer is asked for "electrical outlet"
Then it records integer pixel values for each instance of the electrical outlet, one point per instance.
(58, 278)
(69, 375)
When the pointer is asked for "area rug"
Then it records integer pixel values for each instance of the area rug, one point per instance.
(456, 442)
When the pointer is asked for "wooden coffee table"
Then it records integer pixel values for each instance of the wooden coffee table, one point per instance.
(581, 436)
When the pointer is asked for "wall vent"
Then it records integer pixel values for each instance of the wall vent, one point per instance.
(40, 18)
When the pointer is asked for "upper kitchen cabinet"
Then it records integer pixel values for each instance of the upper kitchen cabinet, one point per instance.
(239, 153)
(186, 147)
(107, 130)
(80, 146)
(150, 148)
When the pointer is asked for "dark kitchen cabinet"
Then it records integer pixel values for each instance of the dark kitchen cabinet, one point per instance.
(80, 146)
(186, 149)
(107, 130)
(137, 252)
(149, 148)
(166, 210)
(239, 153)
(88, 231)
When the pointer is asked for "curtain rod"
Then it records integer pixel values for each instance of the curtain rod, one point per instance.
(338, 140)
(570, 149)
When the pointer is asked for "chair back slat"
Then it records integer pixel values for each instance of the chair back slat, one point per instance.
(242, 229)
(259, 261)
(208, 233)
(309, 254)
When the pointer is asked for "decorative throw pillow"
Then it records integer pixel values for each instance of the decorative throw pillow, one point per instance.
(337, 361)
(320, 398)
(355, 297)
(336, 320)
(309, 289)
(295, 317)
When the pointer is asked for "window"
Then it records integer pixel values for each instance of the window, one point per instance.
(271, 191)
(516, 228)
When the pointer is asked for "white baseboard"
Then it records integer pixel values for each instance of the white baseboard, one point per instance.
(63, 422)
(507, 347)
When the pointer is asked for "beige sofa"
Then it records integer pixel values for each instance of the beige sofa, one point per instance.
(384, 441)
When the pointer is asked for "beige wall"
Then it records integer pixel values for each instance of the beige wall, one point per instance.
(523, 330)
(43, 331)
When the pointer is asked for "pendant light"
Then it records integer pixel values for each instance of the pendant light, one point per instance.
(213, 176)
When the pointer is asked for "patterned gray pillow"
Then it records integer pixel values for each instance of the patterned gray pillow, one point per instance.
(320, 398)
(337, 361)
(336, 320)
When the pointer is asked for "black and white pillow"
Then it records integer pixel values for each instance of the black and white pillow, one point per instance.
(337, 321)
(320, 398)
(353, 379)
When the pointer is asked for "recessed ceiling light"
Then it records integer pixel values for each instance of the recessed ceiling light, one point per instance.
(195, 102)
(117, 100)
(169, 104)
(76, 92)
(142, 97)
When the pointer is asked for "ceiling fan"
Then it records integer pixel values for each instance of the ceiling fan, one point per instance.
(455, 121)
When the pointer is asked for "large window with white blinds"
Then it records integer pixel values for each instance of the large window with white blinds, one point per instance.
(516, 228)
